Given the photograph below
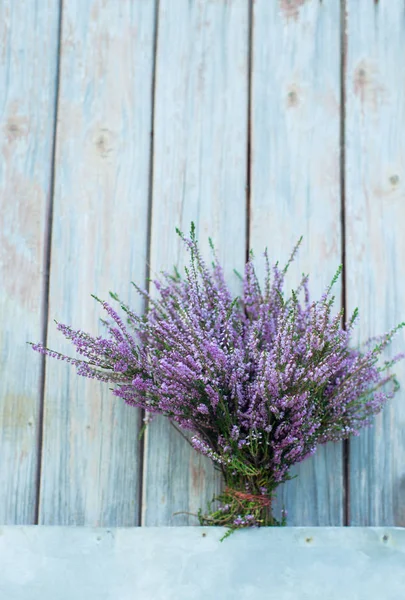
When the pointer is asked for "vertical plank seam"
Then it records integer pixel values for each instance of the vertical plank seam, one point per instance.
(343, 72)
(47, 269)
(249, 126)
(143, 439)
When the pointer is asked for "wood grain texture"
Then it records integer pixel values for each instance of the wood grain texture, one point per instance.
(190, 563)
(199, 174)
(28, 64)
(295, 183)
(90, 463)
(375, 207)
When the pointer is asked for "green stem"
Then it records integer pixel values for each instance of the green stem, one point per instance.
(246, 501)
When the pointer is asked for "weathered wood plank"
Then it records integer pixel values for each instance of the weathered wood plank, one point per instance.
(199, 174)
(375, 209)
(295, 186)
(90, 453)
(185, 563)
(28, 65)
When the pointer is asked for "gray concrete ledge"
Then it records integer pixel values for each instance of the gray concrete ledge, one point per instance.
(189, 563)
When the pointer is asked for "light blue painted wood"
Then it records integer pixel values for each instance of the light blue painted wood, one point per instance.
(90, 464)
(28, 63)
(375, 191)
(200, 159)
(190, 563)
(295, 182)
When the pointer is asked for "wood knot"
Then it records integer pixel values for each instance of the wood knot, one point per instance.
(12, 128)
(104, 143)
(292, 99)
(291, 8)
(368, 87)
(360, 79)
(16, 128)
(394, 179)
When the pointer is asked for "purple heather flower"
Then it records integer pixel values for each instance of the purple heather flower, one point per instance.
(261, 380)
(235, 432)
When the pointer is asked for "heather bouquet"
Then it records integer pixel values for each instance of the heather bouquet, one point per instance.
(259, 380)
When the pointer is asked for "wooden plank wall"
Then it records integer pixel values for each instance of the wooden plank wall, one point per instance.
(295, 186)
(28, 72)
(375, 206)
(260, 121)
(199, 173)
(90, 453)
